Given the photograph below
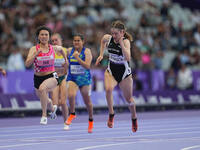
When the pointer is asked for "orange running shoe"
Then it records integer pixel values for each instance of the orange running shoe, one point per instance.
(90, 126)
(134, 125)
(110, 122)
(70, 118)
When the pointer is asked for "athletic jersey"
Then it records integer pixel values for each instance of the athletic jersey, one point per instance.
(77, 73)
(117, 66)
(44, 62)
(59, 59)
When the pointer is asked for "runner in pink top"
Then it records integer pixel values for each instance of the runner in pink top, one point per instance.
(44, 62)
(42, 56)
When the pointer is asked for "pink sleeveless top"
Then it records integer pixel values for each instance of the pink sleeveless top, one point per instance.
(44, 62)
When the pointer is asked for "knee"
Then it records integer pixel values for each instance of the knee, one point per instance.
(42, 89)
(88, 104)
(109, 90)
(129, 99)
(61, 103)
(71, 96)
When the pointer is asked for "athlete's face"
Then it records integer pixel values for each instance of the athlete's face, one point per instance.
(78, 42)
(43, 36)
(117, 34)
(56, 40)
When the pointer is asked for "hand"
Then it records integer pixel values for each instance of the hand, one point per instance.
(3, 72)
(65, 65)
(121, 39)
(76, 54)
(98, 60)
(57, 48)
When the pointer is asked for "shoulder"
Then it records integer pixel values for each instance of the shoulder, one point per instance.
(87, 51)
(65, 50)
(69, 49)
(106, 37)
(32, 48)
(126, 41)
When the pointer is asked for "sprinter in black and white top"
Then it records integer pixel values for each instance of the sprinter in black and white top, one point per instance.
(118, 71)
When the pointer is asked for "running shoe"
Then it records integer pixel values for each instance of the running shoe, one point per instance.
(90, 126)
(110, 122)
(70, 118)
(134, 125)
(53, 114)
(43, 120)
(66, 127)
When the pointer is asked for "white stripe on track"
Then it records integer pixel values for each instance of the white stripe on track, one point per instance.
(96, 126)
(191, 147)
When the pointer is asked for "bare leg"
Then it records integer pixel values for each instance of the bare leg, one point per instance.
(47, 86)
(55, 95)
(85, 92)
(63, 98)
(72, 90)
(42, 94)
(127, 88)
(110, 84)
(64, 111)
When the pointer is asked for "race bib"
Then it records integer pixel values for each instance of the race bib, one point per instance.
(59, 62)
(45, 60)
(77, 69)
(116, 59)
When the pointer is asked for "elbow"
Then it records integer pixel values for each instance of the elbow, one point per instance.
(27, 64)
(87, 66)
(128, 58)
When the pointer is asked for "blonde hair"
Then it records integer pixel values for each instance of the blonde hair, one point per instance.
(120, 25)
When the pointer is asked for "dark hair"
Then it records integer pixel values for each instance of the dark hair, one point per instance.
(120, 25)
(80, 35)
(42, 28)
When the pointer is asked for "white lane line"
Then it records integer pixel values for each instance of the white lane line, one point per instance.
(192, 147)
(99, 146)
(96, 130)
(105, 145)
(143, 122)
(18, 145)
(125, 143)
(59, 129)
(102, 133)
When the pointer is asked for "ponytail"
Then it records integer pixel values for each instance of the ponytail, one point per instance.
(128, 36)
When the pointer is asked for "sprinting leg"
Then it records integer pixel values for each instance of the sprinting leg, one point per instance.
(62, 99)
(72, 90)
(126, 86)
(46, 86)
(86, 92)
(110, 84)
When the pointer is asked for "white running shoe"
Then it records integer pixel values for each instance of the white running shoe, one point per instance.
(66, 127)
(43, 120)
(53, 114)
